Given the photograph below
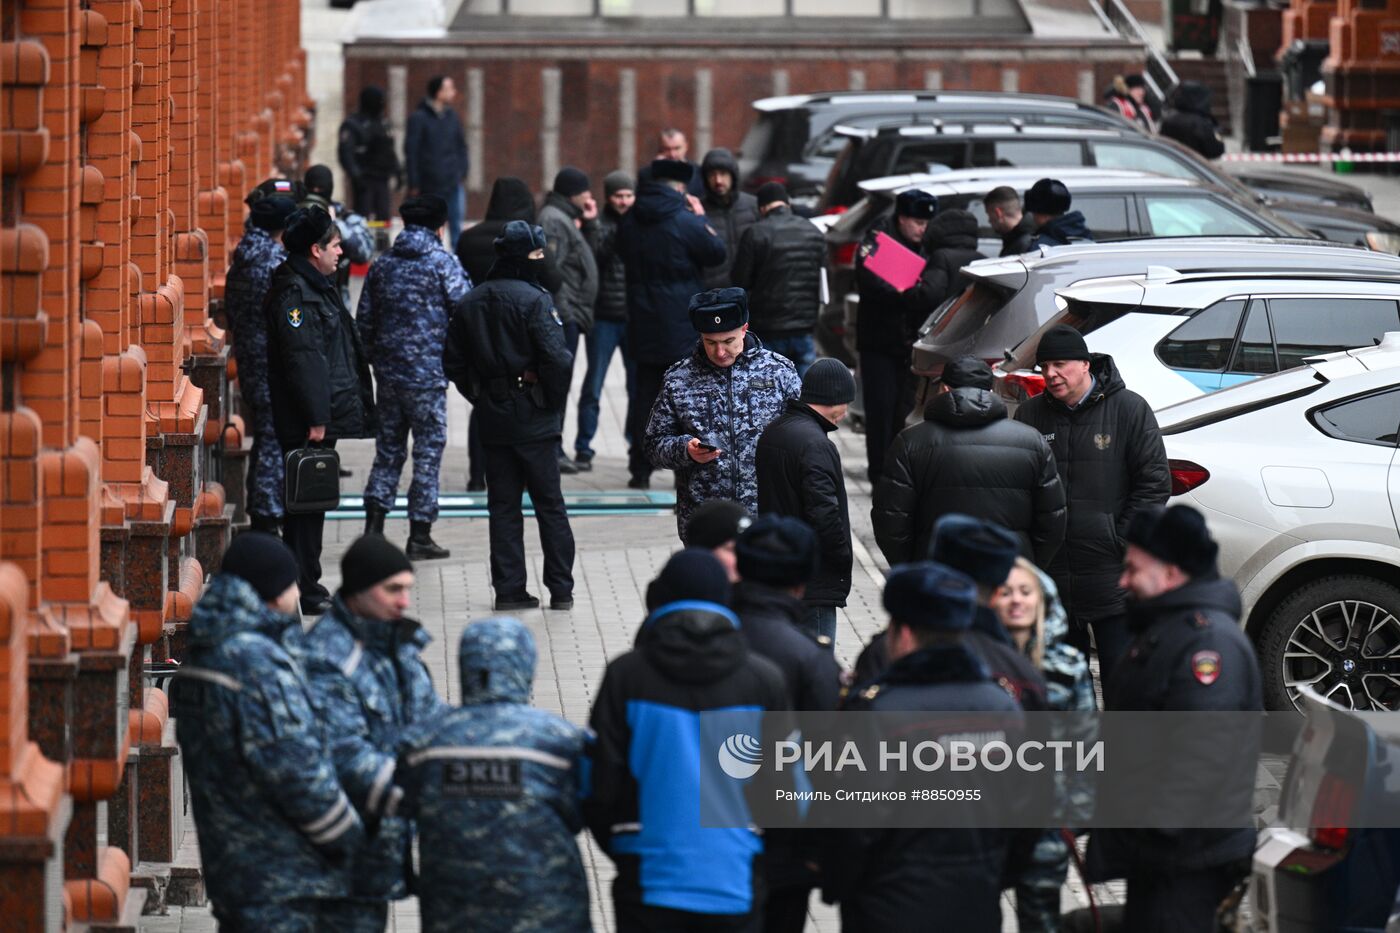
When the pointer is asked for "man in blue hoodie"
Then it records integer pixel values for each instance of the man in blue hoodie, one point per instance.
(665, 243)
(1048, 202)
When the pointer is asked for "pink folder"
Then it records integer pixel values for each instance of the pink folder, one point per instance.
(895, 263)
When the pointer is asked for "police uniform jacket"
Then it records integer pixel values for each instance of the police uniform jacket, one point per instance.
(371, 685)
(317, 373)
(1111, 462)
(771, 622)
(1188, 654)
(245, 288)
(496, 788)
(779, 260)
(274, 824)
(504, 328)
(728, 407)
(966, 456)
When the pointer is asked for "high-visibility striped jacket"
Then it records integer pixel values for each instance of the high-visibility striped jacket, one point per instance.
(370, 684)
(273, 822)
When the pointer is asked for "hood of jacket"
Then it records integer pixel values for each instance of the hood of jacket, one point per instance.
(721, 159)
(229, 607)
(951, 229)
(1213, 592)
(1066, 227)
(692, 642)
(510, 200)
(656, 202)
(965, 407)
(414, 241)
(557, 201)
(1055, 629)
(497, 659)
(1193, 97)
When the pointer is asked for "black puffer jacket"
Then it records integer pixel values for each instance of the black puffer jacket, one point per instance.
(1112, 463)
(611, 304)
(799, 474)
(951, 243)
(780, 264)
(1191, 122)
(887, 321)
(476, 250)
(729, 216)
(968, 457)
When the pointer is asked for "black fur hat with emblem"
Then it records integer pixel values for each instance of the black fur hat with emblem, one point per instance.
(719, 310)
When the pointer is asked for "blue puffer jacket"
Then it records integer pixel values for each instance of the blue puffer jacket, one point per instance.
(273, 823)
(1062, 231)
(370, 686)
(728, 407)
(496, 787)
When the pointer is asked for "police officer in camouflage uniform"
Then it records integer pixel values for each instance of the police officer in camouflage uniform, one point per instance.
(402, 319)
(259, 253)
(276, 831)
(496, 787)
(363, 658)
(714, 405)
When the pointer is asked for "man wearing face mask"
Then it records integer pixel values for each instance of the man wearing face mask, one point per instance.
(505, 352)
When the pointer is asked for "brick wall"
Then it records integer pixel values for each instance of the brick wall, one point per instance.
(128, 133)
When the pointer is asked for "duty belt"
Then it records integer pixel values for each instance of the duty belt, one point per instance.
(503, 386)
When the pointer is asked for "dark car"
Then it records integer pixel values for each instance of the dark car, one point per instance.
(793, 139)
(1281, 185)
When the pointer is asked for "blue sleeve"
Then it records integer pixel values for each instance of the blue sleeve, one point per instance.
(705, 246)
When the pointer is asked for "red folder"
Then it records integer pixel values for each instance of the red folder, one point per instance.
(894, 262)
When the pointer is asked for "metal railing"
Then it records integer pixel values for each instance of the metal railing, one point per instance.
(1161, 78)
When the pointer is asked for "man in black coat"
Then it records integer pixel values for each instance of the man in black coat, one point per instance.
(318, 381)
(366, 152)
(967, 456)
(730, 212)
(781, 261)
(665, 244)
(1188, 653)
(951, 243)
(435, 151)
(1191, 122)
(799, 474)
(505, 353)
(887, 322)
(1003, 206)
(1112, 463)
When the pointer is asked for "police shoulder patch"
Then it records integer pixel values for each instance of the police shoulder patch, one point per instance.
(1205, 667)
(294, 317)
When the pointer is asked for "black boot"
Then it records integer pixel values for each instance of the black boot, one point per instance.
(421, 545)
(374, 519)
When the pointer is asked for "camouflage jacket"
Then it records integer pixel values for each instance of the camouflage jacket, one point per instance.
(495, 786)
(273, 822)
(246, 285)
(408, 296)
(1069, 688)
(370, 685)
(727, 407)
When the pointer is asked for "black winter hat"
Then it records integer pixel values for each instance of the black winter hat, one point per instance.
(519, 240)
(672, 170)
(424, 210)
(967, 372)
(372, 100)
(287, 187)
(570, 181)
(777, 550)
(916, 203)
(617, 181)
(715, 522)
(693, 573)
(263, 561)
(371, 560)
(719, 310)
(1175, 535)
(983, 550)
(771, 191)
(930, 596)
(305, 226)
(828, 382)
(271, 213)
(1061, 342)
(1135, 80)
(320, 180)
(1047, 196)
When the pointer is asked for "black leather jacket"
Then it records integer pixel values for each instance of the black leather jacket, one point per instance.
(780, 261)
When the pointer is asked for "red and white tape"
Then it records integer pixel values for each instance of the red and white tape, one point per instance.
(1311, 157)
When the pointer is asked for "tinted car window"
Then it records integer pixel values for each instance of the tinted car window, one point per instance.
(1374, 419)
(929, 157)
(1106, 215)
(1028, 152)
(1256, 350)
(1305, 327)
(1205, 341)
(1140, 159)
(1194, 215)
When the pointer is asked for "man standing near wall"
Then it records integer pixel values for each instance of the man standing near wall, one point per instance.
(435, 151)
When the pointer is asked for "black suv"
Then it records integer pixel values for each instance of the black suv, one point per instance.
(794, 139)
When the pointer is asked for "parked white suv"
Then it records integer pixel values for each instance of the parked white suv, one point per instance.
(1298, 475)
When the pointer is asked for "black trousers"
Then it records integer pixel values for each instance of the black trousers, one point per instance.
(641, 918)
(1111, 640)
(786, 910)
(302, 534)
(650, 378)
(476, 454)
(889, 395)
(510, 471)
(371, 198)
(1184, 902)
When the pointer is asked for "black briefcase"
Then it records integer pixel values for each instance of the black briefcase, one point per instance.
(313, 480)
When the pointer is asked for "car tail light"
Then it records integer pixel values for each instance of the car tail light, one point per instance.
(1186, 476)
(838, 209)
(1331, 811)
(1025, 385)
(844, 255)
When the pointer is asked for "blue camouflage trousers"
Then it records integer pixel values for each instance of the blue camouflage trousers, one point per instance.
(401, 410)
(267, 472)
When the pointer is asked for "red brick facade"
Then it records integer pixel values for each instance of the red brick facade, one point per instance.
(128, 132)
